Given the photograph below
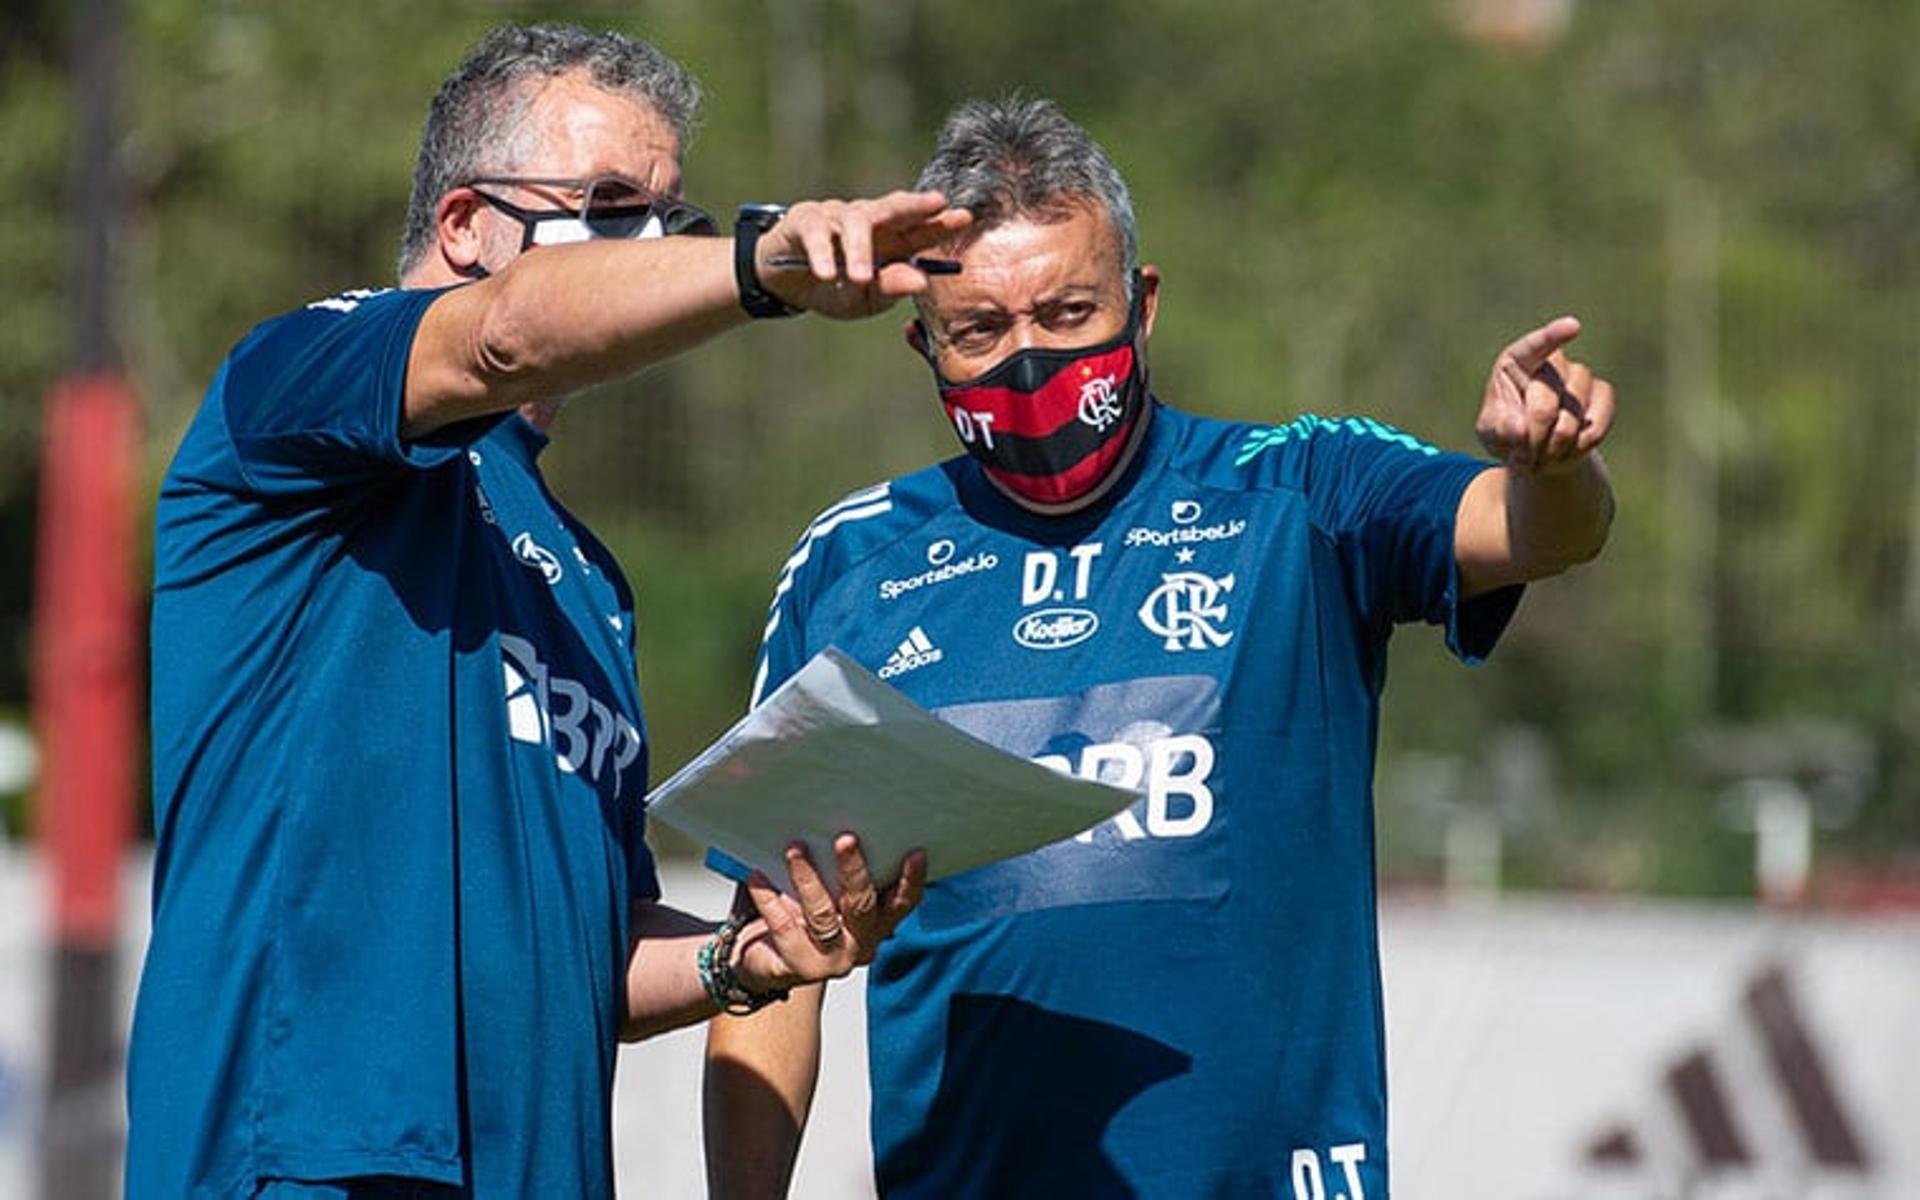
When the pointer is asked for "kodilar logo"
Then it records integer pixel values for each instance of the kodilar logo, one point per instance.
(1056, 628)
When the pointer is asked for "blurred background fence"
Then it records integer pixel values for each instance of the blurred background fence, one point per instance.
(1355, 205)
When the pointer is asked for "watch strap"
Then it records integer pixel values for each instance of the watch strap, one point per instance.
(749, 223)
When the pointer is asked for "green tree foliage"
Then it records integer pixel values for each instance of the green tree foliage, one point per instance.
(1355, 205)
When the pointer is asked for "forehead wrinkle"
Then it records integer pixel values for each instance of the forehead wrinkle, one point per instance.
(588, 131)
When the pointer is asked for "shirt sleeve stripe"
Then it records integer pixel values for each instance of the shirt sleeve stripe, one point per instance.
(1266, 439)
(859, 506)
(822, 526)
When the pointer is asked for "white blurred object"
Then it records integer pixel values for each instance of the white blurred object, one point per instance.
(1781, 817)
(22, 1017)
(19, 761)
(1781, 781)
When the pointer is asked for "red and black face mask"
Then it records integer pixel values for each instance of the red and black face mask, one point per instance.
(1051, 425)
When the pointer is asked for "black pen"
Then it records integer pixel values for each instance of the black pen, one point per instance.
(920, 262)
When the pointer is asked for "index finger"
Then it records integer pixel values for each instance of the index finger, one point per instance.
(907, 206)
(769, 903)
(905, 223)
(1532, 350)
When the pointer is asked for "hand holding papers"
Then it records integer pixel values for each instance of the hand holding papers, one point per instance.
(834, 750)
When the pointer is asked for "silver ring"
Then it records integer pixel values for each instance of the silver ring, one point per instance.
(828, 937)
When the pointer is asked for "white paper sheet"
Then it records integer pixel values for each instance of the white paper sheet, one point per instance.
(834, 749)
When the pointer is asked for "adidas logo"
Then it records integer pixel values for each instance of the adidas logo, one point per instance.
(1754, 1104)
(915, 651)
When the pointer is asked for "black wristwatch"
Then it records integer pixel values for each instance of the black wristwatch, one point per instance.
(748, 224)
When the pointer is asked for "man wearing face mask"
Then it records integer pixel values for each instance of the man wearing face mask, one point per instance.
(1184, 1000)
(404, 909)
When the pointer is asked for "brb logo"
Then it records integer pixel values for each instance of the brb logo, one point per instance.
(1186, 610)
(1063, 625)
(1172, 769)
(589, 737)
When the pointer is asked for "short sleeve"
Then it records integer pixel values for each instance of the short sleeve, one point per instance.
(314, 399)
(1389, 503)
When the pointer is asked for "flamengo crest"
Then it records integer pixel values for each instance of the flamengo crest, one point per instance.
(1187, 609)
(1099, 407)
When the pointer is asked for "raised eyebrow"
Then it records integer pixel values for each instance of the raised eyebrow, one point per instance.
(1059, 310)
(1079, 293)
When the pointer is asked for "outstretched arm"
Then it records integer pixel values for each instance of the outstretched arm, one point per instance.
(560, 318)
(1549, 506)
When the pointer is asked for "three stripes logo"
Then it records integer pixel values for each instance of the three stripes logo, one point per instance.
(916, 650)
(1755, 1102)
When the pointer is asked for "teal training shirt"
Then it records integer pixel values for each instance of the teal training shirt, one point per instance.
(399, 764)
(1185, 1000)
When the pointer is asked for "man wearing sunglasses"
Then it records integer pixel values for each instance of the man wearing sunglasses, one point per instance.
(1185, 1000)
(604, 207)
(403, 907)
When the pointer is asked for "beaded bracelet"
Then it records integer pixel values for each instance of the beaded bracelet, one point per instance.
(723, 987)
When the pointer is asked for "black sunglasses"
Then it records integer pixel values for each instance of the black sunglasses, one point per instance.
(610, 207)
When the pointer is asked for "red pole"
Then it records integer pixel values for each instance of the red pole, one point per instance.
(85, 651)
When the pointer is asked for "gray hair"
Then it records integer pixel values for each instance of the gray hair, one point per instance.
(481, 105)
(1023, 157)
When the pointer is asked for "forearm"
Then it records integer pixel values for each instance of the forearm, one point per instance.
(761, 1072)
(1518, 526)
(664, 991)
(565, 318)
(1561, 520)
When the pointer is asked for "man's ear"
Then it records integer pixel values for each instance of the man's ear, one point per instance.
(1149, 298)
(457, 226)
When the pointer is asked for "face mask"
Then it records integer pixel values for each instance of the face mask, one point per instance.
(1051, 425)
